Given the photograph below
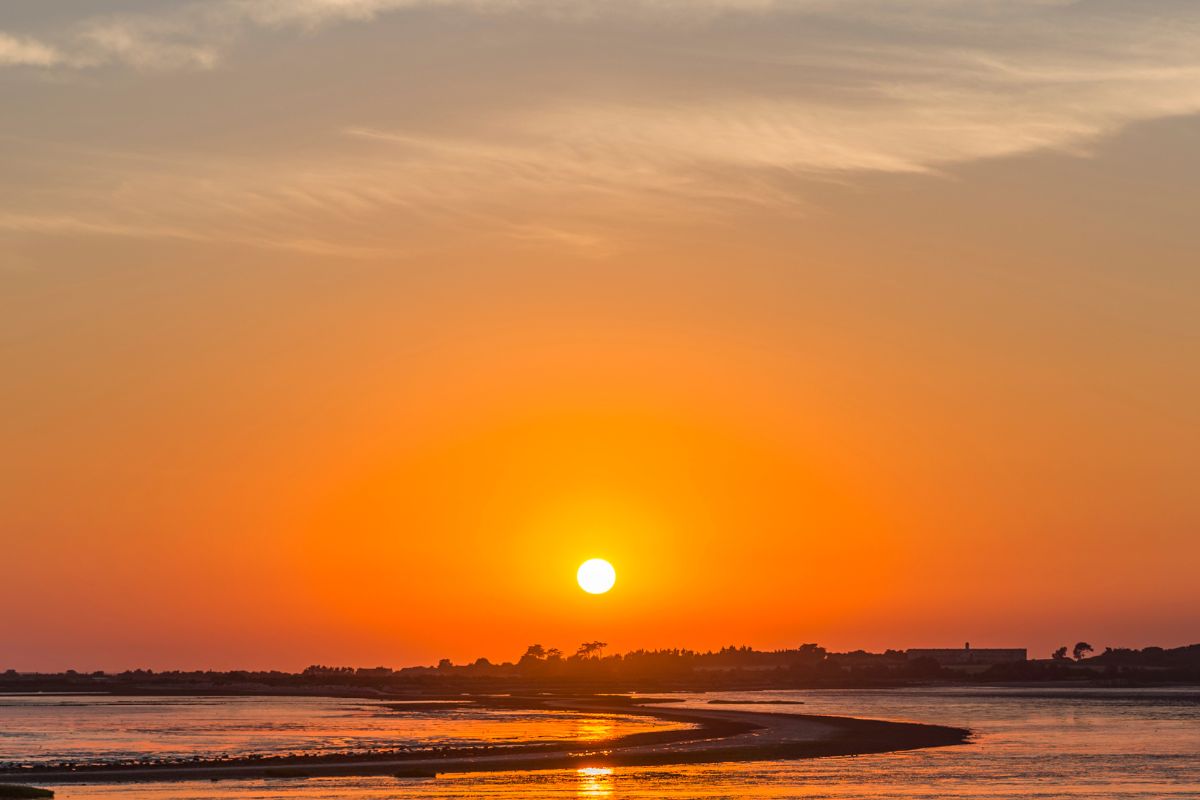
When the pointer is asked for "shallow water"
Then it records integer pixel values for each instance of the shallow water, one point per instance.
(1053, 745)
(40, 729)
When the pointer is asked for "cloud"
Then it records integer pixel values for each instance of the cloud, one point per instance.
(16, 51)
(140, 42)
(141, 45)
(699, 119)
(63, 223)
(198, 34)
(192, 35)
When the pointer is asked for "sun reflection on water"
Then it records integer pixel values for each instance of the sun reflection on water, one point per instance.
(594, 729)
(595, 782)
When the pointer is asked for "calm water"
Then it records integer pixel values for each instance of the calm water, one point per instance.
(95, 729)
(1030, 744)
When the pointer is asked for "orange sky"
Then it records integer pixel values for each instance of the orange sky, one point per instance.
(344, 336)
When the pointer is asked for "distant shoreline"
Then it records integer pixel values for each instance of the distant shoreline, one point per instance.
(717, 736)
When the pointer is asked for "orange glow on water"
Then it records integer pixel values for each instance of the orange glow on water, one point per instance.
(595, 782)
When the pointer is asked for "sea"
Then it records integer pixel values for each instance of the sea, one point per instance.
(1048, 743)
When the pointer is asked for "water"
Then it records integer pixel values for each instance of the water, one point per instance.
(90, 729)
(1046, 744)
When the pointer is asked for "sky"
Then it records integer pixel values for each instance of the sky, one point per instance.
(342, 331)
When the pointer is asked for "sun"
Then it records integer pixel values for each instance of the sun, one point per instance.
(596, 576)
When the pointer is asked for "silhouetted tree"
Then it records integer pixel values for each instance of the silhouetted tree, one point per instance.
(590, 650)
(1081, 649)
(534, 651)
(1060, 654)
(811, 653)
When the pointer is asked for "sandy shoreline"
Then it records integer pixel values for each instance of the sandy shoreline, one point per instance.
(716, 735)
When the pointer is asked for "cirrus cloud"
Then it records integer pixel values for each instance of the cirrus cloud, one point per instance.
(700, 116)
(26, 51)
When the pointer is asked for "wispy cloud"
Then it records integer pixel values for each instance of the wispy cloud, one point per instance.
(805, 88)
(198, 34)
(131, 42)
(26, 51)
(143, 44)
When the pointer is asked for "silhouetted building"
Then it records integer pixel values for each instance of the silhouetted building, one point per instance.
(373, 671)
(966, 657)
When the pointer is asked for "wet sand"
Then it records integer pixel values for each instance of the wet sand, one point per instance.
(716, 735)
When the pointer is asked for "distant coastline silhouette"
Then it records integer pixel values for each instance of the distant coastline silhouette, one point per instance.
(589, 668)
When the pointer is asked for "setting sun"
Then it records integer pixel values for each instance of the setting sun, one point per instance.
(596, 576)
